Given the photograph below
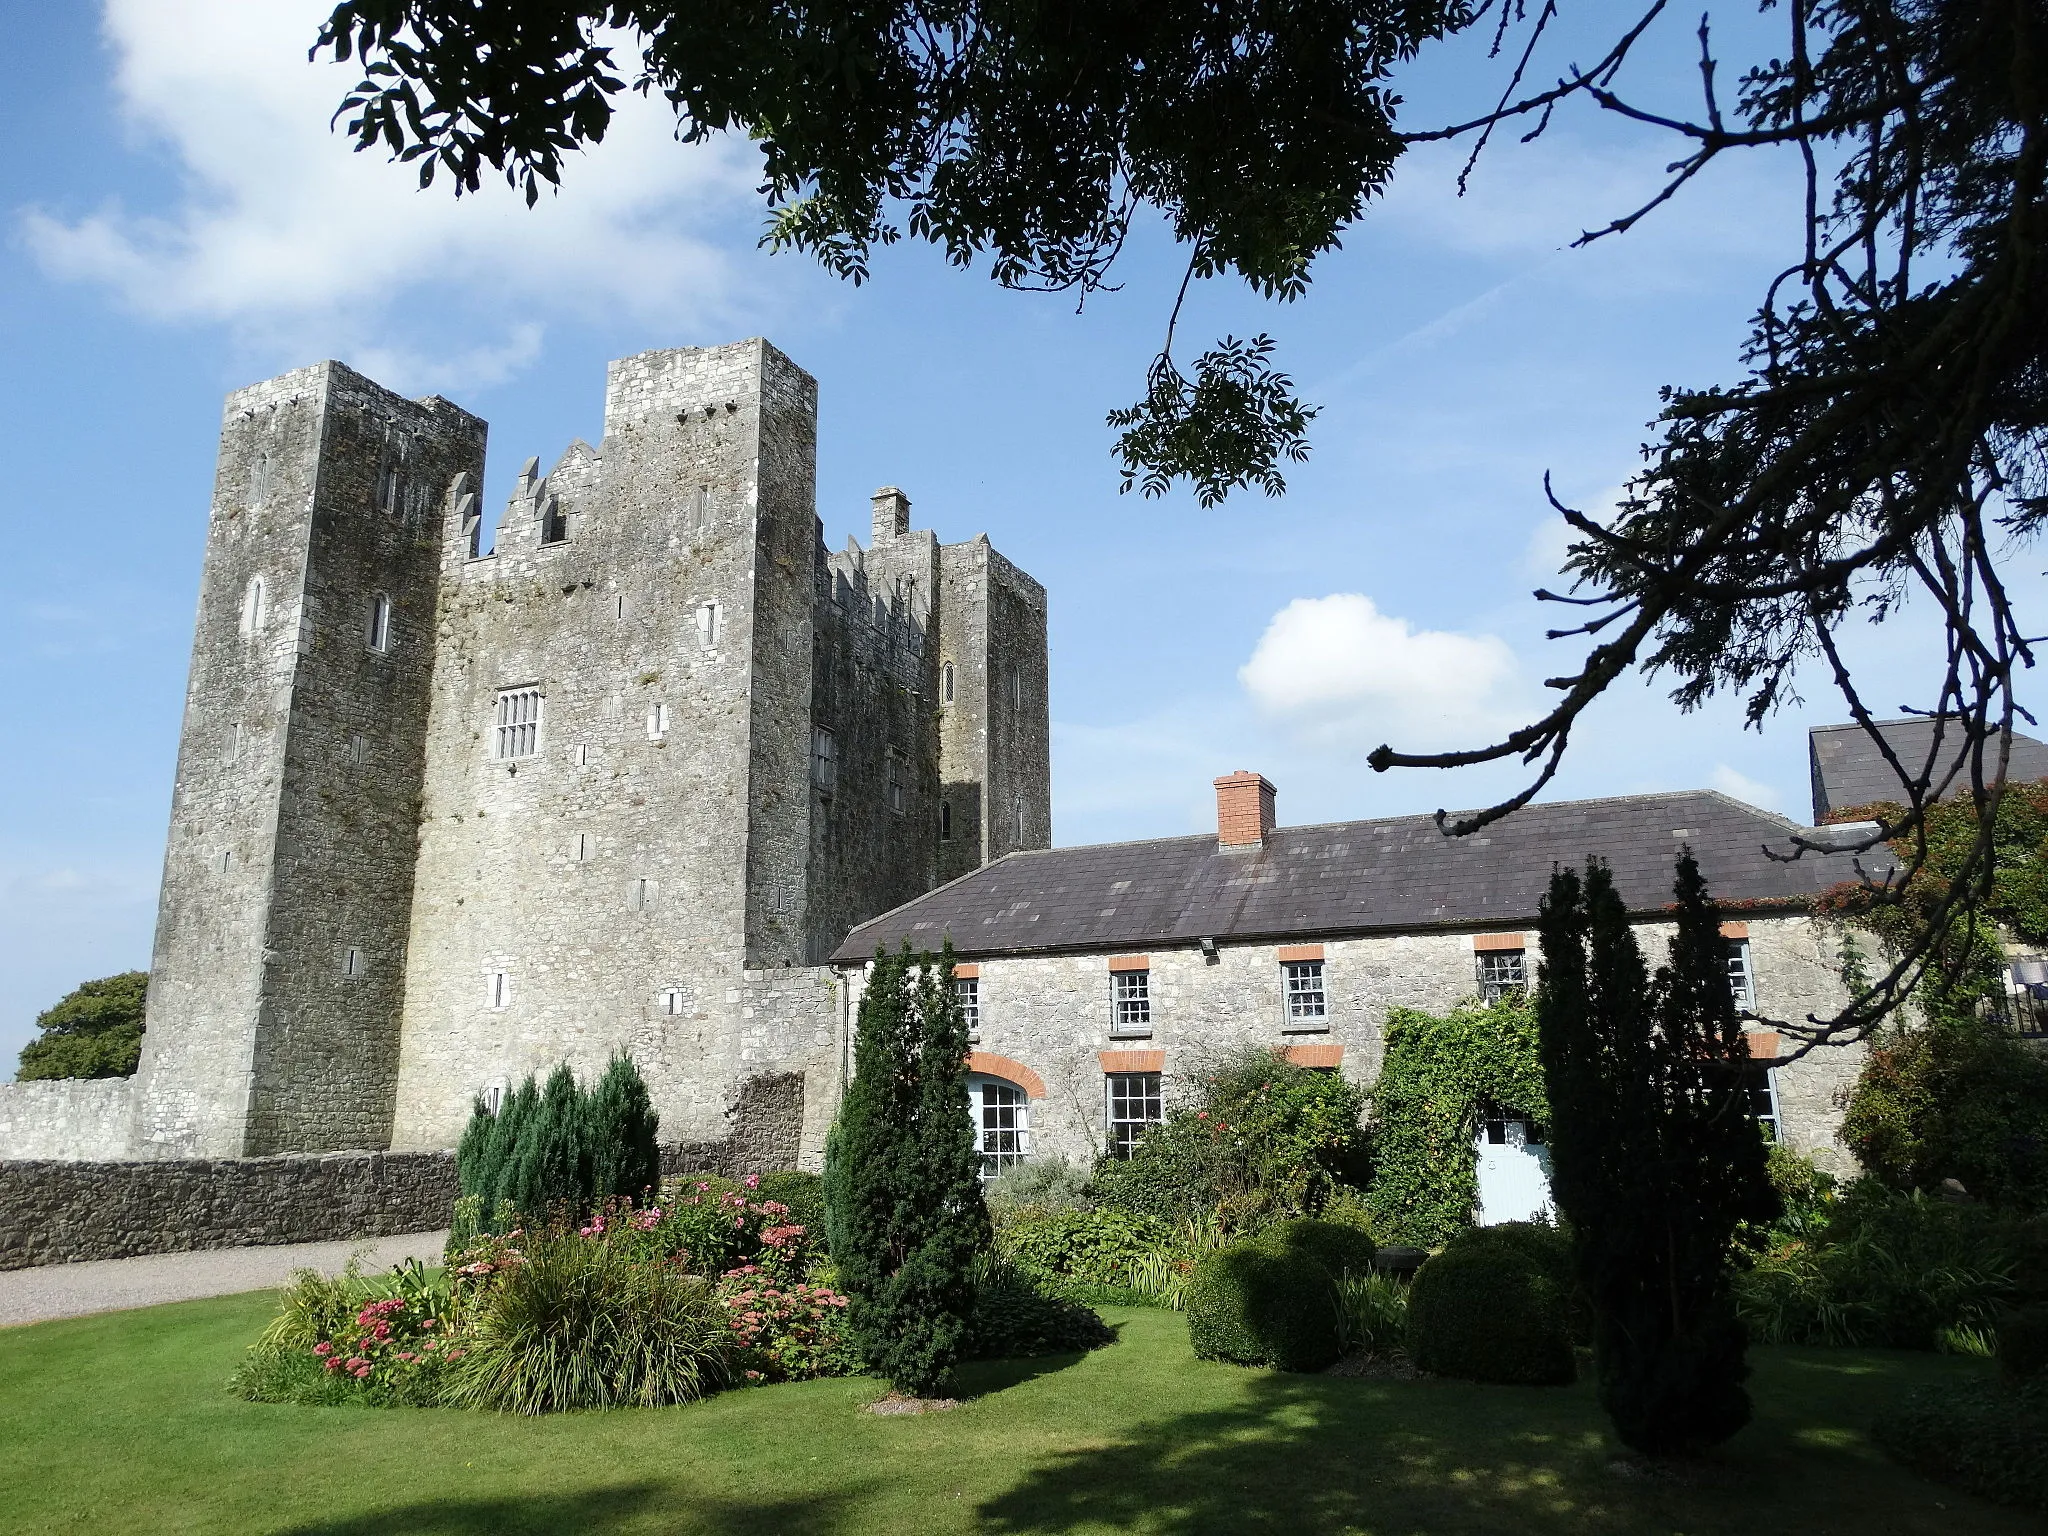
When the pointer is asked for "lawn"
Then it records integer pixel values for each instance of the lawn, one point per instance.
(120, 1423)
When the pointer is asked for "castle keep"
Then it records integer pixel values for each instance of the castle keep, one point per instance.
(445, 817)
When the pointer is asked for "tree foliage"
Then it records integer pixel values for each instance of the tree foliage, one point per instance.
(903, 1176)
(1440, 1078)
(1655, 1160)
(561, 1149)
(94, 1031)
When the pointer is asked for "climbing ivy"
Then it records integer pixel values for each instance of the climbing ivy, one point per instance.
(1440, 1077)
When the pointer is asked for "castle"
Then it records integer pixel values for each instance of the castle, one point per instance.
(445, 817)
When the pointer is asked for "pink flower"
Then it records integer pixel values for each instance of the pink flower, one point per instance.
(363, 1372)
(323, 1349)
(334, 1364)
(753, 1181)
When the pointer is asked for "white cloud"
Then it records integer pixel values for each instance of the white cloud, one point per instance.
(1340, 670)
(1740, 786)
(279, 230)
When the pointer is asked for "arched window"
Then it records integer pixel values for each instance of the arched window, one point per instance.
(254, 610)
(946, 682)
(1002, 1123)
(380, 623)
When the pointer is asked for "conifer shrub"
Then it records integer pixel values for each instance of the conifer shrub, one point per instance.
(903, 1197)
(1273, 1299)
(1488, 1312)
(559, 1150)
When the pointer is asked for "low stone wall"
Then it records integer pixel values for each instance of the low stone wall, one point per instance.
(59, 1212)
(70, 1117)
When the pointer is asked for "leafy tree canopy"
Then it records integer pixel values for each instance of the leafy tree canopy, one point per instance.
(1888, 434)
(95, 1031)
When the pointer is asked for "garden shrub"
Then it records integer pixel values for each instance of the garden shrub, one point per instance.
(1272, 1299)
(1090, 1247)
(786, 1330)
(1990, 1440)
(802, 1195)
(1372, 1313)
(583, 1324)
(95, 1030)
(1544, 1244)
(387, 1342)
(1016, 1317)
(560, 1149)
(1441, 1077)
(1489, 1313)
(1266, 1140)
(1340, 1249)
(1041, 1184)
(2023, 1344)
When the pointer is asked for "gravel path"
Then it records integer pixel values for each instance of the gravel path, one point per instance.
(109, 1285)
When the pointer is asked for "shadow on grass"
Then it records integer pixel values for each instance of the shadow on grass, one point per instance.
(597, 1509)
(1308, 1453)
(980, 1378)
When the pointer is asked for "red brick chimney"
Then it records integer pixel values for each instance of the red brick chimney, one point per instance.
(1244, 809)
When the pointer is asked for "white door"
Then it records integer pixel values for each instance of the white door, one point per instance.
(1514, 1173)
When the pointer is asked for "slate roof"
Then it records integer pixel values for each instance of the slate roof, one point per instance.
(1353, 877)
(1849, 770)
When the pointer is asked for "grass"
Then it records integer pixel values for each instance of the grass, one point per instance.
(120, 1423)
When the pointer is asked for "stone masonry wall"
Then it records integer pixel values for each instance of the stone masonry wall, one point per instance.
(1051, 1014)
(67, 1118)
(65, 1212)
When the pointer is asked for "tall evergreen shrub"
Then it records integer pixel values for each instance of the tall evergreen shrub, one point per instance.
(621, 1128)
(902, 1176)
(1655, 1159)
(561, 1147)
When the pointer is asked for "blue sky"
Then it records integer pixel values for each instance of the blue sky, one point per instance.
(179, 222)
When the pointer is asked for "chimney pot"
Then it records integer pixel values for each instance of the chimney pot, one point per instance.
(1244, 809)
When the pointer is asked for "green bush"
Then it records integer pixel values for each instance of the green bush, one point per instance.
(1992, 1441)
(2023, 1344)
(1273, 1299)
(1266, 1141)
(1015, 1317)
(804, 1195)
(1089, 1247)
(582, 1324)
(1544, 1244)
(1372, 1313)
(1044, 1184)
(94, 1031)
(561, 1150)
(1491, 1316)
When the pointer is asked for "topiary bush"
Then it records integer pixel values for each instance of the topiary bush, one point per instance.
(1543, 1244)
(1487, 1312)
(1273, 1300)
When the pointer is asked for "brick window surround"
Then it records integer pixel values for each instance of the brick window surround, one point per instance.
(1295, 952)
(1131, 1061)
(988, 1064)
(1486, 941)
(1316, 1055)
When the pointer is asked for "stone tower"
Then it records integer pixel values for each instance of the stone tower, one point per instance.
(449, 815)
(276, 987)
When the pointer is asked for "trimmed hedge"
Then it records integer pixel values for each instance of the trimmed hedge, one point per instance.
(1990, 1441)
(1543, 1244)
(1271, 1300)
(1485, 1312)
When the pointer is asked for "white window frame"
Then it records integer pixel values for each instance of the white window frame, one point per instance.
(493, 1096)
(710, 622)
(518, 722)
(671, 1001)
(824, 760)
(1002, 1123)
(255, 606)
(1499, 972)
(497, 990)
(1774, 1122)
(1130, 1002)
(378, 636)
(968, 990)
(1741, 975)
(1118, 1094)
(1307, 999)
(657, 720)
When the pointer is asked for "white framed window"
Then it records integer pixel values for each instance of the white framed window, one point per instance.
(892, 774)
(1760, 1087)
(378, 631)
(1741, 977)
(518, 731)
(657, 720)
(673, 1001)
(1134, 1106)
(1502, 973)
(255, 606)
(1130, 994)
(946, 682)
(640, 894)
(1002, 1123)
(497, 989)
(492, 1098)
(1307, 1005)
(968, 990)
(710, 624)
(580, 754)
(824, 759)
(352, 962)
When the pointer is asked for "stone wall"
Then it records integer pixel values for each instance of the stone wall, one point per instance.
(65, 1212)
(69, 1118)
(1050, 1015)
(766, 1136)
